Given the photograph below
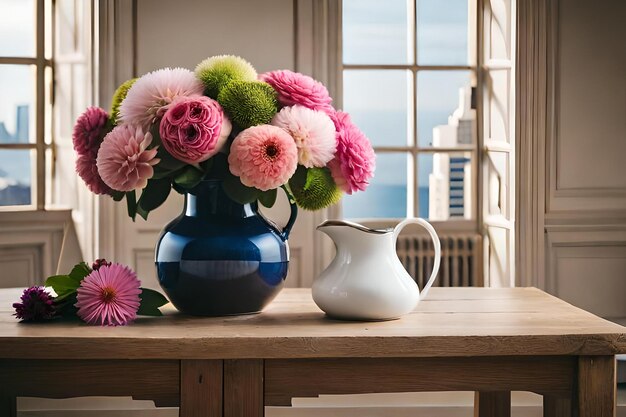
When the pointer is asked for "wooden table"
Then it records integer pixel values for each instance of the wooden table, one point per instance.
(491, 341)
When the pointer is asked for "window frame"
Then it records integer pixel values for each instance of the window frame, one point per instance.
(414, 150)
(44, 9)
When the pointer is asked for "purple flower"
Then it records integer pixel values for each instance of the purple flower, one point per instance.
(37, 304)
(99, 263)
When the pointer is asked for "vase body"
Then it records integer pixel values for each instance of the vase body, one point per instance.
(220, 257)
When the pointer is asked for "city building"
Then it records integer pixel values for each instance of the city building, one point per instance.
(450, 193)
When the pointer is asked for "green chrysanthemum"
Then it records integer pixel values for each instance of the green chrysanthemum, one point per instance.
(314, 188)
(217, 71)
(118, 97)
(249, 103)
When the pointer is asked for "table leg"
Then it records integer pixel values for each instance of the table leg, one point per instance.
(557, 407)
(596, 386)
(243, 388)
(201, 388)
(492, 404)
(8, 406)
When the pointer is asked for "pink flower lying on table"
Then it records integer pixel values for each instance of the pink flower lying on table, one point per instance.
(109, 296)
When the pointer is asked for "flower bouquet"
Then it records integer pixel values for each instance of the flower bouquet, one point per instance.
(174, 128)
(227, 138)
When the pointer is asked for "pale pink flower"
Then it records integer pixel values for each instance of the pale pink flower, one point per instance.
(124, 160)
(194, 128)
(313, 131)
(354, 161)
(295, 88)
(89, 131)
(109, 296)
(87, 169)
(263, 156)
(150, 96)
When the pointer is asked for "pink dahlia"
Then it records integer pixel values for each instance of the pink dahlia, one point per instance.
(88, 170)
(109, 296)
(89, 131)
(295, 88)
(124, 160)
(150, 96)
(194, 128)
(313, 131)
(263, 156)
(354, 161)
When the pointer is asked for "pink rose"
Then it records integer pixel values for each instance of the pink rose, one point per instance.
(194, 129)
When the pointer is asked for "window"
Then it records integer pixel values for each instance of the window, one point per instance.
(25, 107)
(408, 72)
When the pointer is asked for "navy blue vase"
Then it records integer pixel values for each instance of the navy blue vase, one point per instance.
(220, 257)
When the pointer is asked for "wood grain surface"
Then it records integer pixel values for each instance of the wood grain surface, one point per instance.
(596, 386)
(201, 391)
(449, 322)
(288, 378)
(156, 380)
(243, 388)
(492, 404)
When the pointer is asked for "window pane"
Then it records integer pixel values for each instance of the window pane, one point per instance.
(443, 99)
(386, 195)
(17, 105)
(445, 185)
(378, 102)
(15, 177)
(17, 28)
(376, 32)
(442, 32)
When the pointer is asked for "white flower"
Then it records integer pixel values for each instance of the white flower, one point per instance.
(313, 131)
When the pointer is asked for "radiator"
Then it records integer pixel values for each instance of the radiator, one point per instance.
(461, 259)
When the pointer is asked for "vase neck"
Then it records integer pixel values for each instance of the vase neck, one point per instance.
(209, 199)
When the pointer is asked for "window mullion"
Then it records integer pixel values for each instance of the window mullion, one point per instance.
(40, 108)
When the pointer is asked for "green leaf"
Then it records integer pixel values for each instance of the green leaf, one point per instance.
(118, 195)
(150, 302)
(206, 165)
(167, 161)
(239, 192)
(62, 284)
(67, 296)
(189, 177)
(65, 306)
(268, 198)
(143, 213)
(79, 272)
(154, 194)
(131, 204)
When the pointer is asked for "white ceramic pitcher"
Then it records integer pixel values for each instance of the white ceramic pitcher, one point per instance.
(366, 280)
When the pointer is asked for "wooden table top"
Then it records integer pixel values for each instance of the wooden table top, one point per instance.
(449, 322)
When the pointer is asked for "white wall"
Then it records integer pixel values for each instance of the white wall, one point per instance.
(585, 193)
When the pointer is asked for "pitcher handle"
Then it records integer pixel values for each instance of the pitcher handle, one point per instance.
(436, 243)
(293, 214)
